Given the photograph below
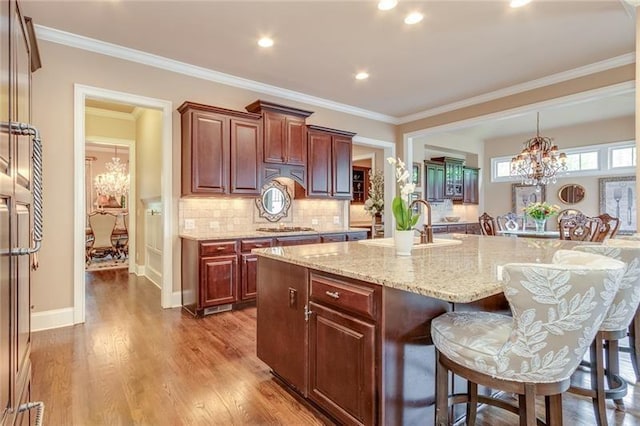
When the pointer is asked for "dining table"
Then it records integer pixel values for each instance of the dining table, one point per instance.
(529, 233)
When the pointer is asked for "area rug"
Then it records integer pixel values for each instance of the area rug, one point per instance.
(107, 263)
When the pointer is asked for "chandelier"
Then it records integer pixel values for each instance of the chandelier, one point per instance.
(115, 182)
(539, 161)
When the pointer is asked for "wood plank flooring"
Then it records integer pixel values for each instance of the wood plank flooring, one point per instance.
(134, 363)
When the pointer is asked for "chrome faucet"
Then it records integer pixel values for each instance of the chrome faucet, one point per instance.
(426, 235)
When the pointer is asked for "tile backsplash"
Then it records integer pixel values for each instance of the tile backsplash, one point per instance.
(228, 214)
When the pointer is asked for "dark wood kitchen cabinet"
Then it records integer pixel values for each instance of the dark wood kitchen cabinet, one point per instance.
(434, 181)
(360, 184)
(285, 133)
(453, 177)
(283, 348)
(329, 163)
(221, 151)
(342, 321)
(470, 181)
(248, 266)
(219, 273)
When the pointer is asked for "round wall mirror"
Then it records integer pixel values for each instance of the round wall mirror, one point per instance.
(571, 194)
(274, 202)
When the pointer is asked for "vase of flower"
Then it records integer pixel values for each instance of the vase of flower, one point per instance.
(540, 224)
(403, 242)
(539, 213)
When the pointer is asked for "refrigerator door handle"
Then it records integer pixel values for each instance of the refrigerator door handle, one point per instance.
(29, 130)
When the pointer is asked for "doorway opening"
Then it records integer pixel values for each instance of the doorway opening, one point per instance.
(148, 199)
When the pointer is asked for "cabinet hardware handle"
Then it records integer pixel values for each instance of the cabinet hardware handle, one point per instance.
(307, 313)
(257, 245)
(333, 294)
(220, 248)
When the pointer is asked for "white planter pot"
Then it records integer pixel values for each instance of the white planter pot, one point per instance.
(403, 242)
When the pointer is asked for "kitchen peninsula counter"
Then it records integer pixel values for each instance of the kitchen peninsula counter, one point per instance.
(347, 325)
(459, 273)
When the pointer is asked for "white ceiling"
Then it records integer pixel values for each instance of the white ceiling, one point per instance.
(462, 49)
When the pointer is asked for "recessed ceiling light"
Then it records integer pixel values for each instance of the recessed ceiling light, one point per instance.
(413, 18)
(518, 3)
(265, 42)
(387, 4)
(362, 75)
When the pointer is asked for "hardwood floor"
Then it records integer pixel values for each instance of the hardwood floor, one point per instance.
(133, 363)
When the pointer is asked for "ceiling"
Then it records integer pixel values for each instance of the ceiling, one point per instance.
(461, 50)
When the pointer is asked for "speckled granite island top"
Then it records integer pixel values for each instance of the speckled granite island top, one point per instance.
(459, 273)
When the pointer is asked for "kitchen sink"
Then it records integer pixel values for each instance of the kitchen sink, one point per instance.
(388, 242)
(285, 229)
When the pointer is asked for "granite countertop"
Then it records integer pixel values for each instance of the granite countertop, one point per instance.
(460, 273)
(252, 233)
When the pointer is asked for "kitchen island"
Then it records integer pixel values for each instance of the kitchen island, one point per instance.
(347, 325)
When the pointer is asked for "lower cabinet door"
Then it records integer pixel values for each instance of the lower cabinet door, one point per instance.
(342, 365)
(219, 280)
(249, 266)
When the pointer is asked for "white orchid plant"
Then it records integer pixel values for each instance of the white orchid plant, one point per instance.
(405, 218)
(375, 203)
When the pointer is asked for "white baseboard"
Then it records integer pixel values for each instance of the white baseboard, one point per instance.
(176, 299)
(139, 270)
(54, 318)
(153, 276)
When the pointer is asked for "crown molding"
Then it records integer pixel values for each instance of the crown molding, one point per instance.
(118, 115)
(605, 65)
(85, 43)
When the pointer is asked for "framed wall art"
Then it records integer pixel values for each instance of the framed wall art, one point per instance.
(618, 199)
(415, 174)
(522, 196)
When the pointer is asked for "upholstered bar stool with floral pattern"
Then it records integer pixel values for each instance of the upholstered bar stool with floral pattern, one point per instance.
(557, 309)
(613, 328)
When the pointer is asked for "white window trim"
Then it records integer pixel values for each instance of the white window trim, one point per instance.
(604, 162)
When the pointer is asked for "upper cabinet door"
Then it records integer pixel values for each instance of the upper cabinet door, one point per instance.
(296, 152)
(209, 152)
(274, 138)
(246, 156)
(21, 102)
(341, 167)
(319, 168)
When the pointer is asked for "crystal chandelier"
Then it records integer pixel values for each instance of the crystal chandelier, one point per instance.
(115, 182)
(539, 161)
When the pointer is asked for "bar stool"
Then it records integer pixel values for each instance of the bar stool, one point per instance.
(557, 309)
(613, 328)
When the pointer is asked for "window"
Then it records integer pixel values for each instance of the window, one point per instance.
(614, 158)
(622, 156)
(582, 161)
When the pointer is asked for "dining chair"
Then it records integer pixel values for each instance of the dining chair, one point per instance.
(535, 351)
(102, 225)
(510, 222)
(606, 227)
(614, 327)
(567, 213)
(487, 224)
(122, 243)
(577, 227)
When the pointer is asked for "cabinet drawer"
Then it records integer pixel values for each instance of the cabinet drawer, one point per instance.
(351, 297)
(440, 229)
(333, 238)
(296, 241)
(221, 247)
(248, 245)
(458, 229)
(356, 236)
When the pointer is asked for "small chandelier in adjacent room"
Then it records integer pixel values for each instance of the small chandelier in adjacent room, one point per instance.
(539, 161)
(115, 181)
